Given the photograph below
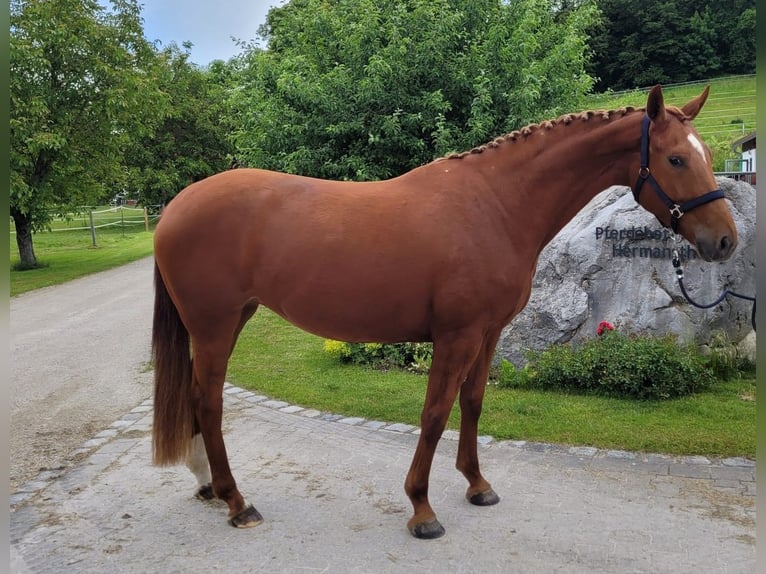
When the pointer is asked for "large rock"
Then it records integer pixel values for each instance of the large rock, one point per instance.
(612, 263)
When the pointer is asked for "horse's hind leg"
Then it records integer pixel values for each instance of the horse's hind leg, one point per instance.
(197, 461)
(211, 355)
(479, 490)
(209, 372)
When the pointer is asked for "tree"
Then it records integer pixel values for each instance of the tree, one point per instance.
(191, 141)
(81, 88)
(368, 89)
(738, 39)
(641, 43)
(698, 55)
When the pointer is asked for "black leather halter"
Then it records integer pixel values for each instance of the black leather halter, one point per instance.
(676, 210)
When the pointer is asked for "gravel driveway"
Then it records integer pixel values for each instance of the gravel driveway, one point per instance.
(79, 355)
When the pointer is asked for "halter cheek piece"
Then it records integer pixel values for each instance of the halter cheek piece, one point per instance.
(676, 211)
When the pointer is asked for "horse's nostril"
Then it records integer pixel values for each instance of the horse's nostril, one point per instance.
(725, 244)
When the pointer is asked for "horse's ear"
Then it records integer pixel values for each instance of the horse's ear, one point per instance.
(655, 105)
(693, 108)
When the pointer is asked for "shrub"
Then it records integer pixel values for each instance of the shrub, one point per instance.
(415, 357)
(617, 365)
(725, 360)
(337, 350)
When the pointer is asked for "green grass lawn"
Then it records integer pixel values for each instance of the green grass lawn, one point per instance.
(66, 255)
(277, 359)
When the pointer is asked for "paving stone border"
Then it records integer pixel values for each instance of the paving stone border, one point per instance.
(736, 474)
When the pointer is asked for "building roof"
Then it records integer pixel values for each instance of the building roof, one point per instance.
(743, 140)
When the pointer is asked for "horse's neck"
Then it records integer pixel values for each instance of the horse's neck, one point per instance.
(563, 167)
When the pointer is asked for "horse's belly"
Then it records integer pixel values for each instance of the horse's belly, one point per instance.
(356, 316)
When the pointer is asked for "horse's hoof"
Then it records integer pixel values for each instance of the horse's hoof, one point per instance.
(205, 492)
(427, 530)
(246, 518)
(486, 498)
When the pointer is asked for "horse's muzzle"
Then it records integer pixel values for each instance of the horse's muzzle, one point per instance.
(718, 249)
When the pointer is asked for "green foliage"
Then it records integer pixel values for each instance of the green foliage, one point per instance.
(640, 367)
(82, 85)
(724, 359)
(414, 357)
(638, 43)
(191, 141)
(720, 148)
(364, 90)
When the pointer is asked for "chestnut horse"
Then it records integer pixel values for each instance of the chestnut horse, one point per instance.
(443, 253)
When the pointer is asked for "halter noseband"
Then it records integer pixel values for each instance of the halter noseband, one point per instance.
(676, 211)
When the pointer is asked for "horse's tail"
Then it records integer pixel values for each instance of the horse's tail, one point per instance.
(173, 411)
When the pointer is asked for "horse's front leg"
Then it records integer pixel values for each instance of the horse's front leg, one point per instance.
(451, 362)
(479, 490)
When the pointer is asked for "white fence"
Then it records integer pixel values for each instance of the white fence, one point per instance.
(119, 217)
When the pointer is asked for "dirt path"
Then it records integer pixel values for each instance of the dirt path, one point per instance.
(79, 355)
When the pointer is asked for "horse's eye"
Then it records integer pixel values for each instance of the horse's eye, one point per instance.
(675, 161)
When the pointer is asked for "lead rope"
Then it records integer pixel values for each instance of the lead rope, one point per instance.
(680, 275)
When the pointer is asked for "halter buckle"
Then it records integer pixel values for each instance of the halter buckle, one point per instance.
(643, 172)
(676, 212)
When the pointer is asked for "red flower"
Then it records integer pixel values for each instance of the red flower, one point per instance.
(604, 326)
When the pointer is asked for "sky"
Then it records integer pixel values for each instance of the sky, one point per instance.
(209, 25)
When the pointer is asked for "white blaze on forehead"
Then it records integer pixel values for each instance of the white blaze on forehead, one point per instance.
(697, 144)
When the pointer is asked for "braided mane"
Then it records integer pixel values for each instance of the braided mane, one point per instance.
(526, 131)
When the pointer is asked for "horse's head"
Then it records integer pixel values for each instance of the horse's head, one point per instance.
(676, 177)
